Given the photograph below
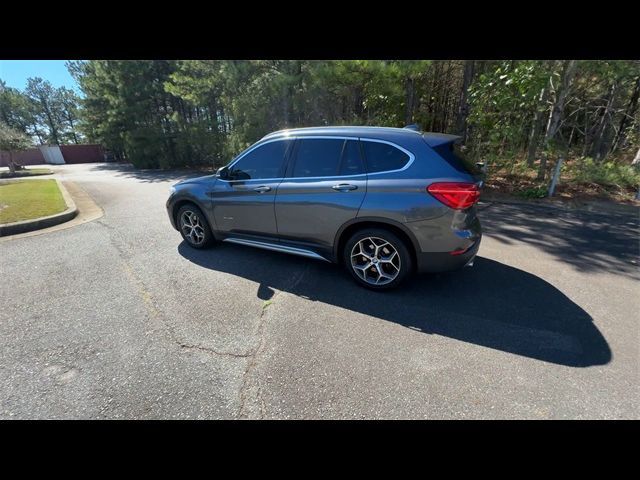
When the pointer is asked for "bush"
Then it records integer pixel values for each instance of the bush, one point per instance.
(605, 173)
(533, 192)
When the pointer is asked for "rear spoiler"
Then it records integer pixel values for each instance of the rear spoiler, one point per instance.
(434, 139)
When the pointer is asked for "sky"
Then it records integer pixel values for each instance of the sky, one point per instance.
(16, 72)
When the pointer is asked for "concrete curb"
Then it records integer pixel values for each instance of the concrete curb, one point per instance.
(43, 222)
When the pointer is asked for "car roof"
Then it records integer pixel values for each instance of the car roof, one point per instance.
(382, 133)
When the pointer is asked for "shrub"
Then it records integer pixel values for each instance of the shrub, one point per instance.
(533, 192)
(606, 173)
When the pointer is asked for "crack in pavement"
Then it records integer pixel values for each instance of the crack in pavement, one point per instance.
(247, 383)
(152, 308)
(189, 346)
(155, 313)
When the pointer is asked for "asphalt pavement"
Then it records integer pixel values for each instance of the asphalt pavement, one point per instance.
(118, 318)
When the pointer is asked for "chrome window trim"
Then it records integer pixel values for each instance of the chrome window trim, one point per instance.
(325, 178)
(412, 157)
(323, 137)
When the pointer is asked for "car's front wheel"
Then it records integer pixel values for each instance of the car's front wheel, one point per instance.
(194, 227)
(377, 259)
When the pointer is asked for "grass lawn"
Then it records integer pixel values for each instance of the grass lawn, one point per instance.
(26, 172)
(27, 199)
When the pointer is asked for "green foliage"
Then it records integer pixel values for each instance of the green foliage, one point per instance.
(605, 173)
(41, 111)
(16, 110)
(158, 113)
(12, 140)
(503, 100)
(127, 108)
(534, 192)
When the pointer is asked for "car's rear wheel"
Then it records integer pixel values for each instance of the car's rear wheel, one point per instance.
(194, 227)
(377, 259)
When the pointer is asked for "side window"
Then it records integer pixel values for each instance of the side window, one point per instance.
(265, 161)
(351, 163)
(317, 157)
(382, 157)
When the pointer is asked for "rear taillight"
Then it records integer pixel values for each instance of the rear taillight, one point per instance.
(457, 195)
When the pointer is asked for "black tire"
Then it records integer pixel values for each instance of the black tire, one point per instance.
(401, 268)
(200, 235)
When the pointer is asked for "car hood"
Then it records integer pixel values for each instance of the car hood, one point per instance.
(196, 180)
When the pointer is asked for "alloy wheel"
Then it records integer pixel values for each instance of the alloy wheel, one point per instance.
(375, 260)
(192, 227)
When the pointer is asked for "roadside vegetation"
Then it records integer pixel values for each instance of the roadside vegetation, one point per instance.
(582, 178)
(28, 199)
(518, 116)
(26, 172)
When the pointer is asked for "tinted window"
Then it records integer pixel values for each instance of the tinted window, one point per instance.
(265, 161)
(351, 159)
(453, 155)
(382, 157)
(317, 157)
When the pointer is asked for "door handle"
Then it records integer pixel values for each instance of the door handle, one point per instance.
(262, 189)
(344, 187)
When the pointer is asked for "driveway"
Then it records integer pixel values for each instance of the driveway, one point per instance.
(118, 318)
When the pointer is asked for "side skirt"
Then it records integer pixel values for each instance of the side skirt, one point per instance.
(302, 252)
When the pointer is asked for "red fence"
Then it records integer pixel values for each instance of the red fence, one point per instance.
(82, 153)
(28, 157)
(71, 154)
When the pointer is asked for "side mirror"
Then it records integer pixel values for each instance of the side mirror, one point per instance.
(223, 173)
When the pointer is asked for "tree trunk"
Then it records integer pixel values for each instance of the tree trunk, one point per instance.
(597, 151)
(555, 116)
(628, 113)
(213, 116)
(432, 96)
(535, 128)
(463, 108)
(73, 131)
(566, 151)
(636, 161)
(358, 104)
(12, 166)
(409, 86)
(285, 107)
(52, 126)
(587, 134)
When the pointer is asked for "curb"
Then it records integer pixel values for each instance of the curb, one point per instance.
(43, 222)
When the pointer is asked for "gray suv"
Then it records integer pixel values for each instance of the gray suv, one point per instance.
(384, 202)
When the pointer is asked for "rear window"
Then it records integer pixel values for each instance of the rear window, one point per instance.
(454, 156)
(382, 157)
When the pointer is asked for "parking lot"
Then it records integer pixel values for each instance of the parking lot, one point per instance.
(118, 318)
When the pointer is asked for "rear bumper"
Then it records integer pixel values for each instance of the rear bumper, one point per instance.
(444, 261)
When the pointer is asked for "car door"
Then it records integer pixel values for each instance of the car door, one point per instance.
(243, 203)
(324, 187)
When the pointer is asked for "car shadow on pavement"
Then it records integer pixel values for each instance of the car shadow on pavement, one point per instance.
(588, 241)
(150, 175)
(491, 304)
